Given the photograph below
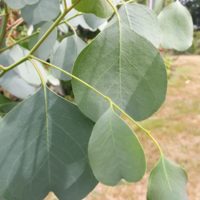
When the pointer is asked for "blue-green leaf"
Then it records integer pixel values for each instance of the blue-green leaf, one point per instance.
(43, 150)
(124, 66)
(144, 22)
(167, 182)
(115, 152)
(18, 4)
(42, 11)
(177, 27)
(45, 48)
(66, 54)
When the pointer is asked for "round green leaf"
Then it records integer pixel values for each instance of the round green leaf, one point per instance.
(100, 8)
(177, 27)
(124, 66)
(167, 182)
(115, 152)
(44, 144)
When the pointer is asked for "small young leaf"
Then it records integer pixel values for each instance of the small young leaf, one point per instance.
(44, 144)
(42, 11)
(177, 27)
(100, 8)
(167, 182)
(114, 151)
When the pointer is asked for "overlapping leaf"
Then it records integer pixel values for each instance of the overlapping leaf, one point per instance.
(26, 69)
(124, 66)
(158, 6)
(5, 105)
(167, 181)
(45, 48)
(12, 81)
(177, 27)
(144, 22)
(42, 11)
(18, 4)
(66, 54)
(115, 152)
(43, 150)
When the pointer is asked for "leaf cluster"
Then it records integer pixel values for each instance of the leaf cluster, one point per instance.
(49, 143)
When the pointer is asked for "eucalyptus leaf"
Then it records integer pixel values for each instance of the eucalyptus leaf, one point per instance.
(46, 49)
(114, 151)
(43, 150)
(42, 11)
(18, 87)
(100, 8)
(66, 54)
(93, 21)
(124, 66)
(6, 105)
(26, 69)
(144, 22)
(78, 20)
(177, 27)
(15, 4)
(18, 4)
(158, 6)
(167, 181)
(12, 81)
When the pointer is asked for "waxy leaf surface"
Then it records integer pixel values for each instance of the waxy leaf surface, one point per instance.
(66, 54)
(42, 11)
(124, 66)
(167, 181)
(177, 27)
(114, 151)
(45, 48)
(43, 148)
(18, 4)
(144, 22)
(100, 8)
(13, 81)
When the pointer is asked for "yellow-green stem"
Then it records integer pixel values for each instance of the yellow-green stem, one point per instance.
(112, 104)
(114, 9)
(19, 41)
(37, 45)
